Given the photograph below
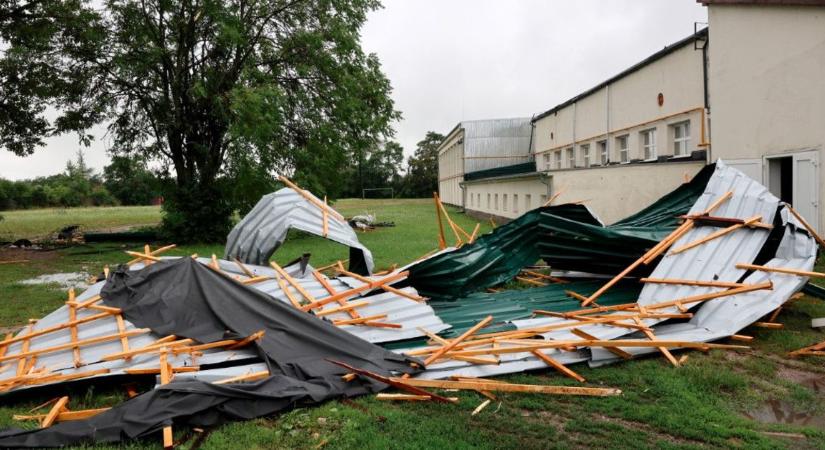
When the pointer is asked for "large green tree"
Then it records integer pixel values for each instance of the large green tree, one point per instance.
(422, 167)
(213, 88)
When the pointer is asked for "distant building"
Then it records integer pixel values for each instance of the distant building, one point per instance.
(480, 145)
(627, 141)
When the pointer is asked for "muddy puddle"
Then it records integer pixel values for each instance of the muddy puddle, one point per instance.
(782, 411)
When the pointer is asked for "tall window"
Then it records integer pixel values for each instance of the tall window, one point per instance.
(681, 138)
(528, 199)
(495, 202)
(648, 138)
(621, 147)
(478, 200)
(488, 201)
(504, 202)
(542, 199)
(557, 157)
(515, 203)
(571, 157)
(547, 160)
(585, 154)
(603, 156)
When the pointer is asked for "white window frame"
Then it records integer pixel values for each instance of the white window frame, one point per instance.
(495, 202)
(585, 151)
(604, 156)
(557, 158)
(488, 201)
(681, 144)
(623, 150)
(571, 157)
(504, 205)
(647, 138)
(515, 203)
(528, 200)
(547, 160)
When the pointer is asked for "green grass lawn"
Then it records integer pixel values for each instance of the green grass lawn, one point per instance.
(37, 223)
(700, 405)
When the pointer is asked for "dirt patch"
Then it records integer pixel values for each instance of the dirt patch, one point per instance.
(23, 255)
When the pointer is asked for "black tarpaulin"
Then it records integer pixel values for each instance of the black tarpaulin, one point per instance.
(184, 298)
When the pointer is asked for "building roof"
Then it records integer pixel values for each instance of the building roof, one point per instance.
(645, 62)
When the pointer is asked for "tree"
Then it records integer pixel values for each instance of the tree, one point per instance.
(130, 181)
(201, 85)
(422, 167)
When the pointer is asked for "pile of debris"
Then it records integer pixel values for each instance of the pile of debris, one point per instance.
(240, 337)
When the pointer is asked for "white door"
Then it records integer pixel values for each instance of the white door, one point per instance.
(806, 186)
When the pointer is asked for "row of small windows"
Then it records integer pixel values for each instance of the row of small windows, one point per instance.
(648, 149)
(492, 203)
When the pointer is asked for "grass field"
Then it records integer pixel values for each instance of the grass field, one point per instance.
(701, 405)
(36, 223)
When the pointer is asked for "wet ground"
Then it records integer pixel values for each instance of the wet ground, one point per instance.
(783, 411)
(77, 280)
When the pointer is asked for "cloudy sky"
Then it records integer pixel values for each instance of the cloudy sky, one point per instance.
(453, 60)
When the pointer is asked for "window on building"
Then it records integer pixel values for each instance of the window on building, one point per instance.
(585, 154)
(495, 202)
(604, 158)
(681, 138)
(648, 139)
(478, 200)
(515, 203)
(557, 157)
(528, 202)
(504, 206)
(547, 160)
(542, 199)
(488, 201)
(621, 147)
(571, 157)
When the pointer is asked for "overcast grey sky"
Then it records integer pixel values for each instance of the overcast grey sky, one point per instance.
(453, 60)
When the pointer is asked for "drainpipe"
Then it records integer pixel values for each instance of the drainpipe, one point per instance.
(607, 130)
(546, 180)
(707, 95)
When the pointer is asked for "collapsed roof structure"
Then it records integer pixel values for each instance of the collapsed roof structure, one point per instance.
(242, 339)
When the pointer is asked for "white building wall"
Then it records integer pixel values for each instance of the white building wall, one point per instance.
(612, 193)
(628, 106)
(451, 168)
(522, 194)
(767, 87)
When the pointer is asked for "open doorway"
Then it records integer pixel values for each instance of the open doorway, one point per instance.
(780, 178)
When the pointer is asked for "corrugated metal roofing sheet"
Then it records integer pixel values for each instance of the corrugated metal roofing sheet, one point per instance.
(496, 143)
(255, 238)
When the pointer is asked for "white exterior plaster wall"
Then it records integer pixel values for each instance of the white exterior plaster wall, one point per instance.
(612, 193)
(522, 195)
(451, 168)
(628, 106)
(767, 86)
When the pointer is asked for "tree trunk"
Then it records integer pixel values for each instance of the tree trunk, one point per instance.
(197, 209)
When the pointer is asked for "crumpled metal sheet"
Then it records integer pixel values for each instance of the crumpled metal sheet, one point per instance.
(409, 313)
(714, 260)
(724, 317)
(256, 237)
